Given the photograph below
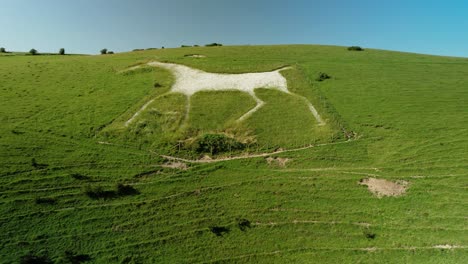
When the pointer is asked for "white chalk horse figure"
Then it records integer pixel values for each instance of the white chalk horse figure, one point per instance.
(189, 81)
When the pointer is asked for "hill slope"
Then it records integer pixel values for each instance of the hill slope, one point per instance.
(64, 150)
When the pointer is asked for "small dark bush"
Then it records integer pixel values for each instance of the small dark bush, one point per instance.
(75, 258)
(243, 224)
(355, 48)
(213, 45)
(151, 48)
(216, 143)
(138, 50)
(46, 200)
(110, 52)
(32, 259)
(322, 77)
(62, 51)
(103, 51)
(185, 46)
(219, 230)
(157, 85)
(99, 193)
(370, 235)
(33, 52)
(196, 45)
(123, 190)
(2, 50)
(78, 176)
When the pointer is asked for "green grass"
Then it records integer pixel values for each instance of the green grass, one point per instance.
(408, 112)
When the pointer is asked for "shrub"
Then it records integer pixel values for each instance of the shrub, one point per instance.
(138, 50)
(322, 77)
(99, 193)
(157, 85)
(110, 52)
(185, 46)
(2, 50)
(33, 52)
(216, 143)
(219, 230)
(123, 190)
(355, 48)
(62, 51)
(103, 51)
(213, 45)
(48, 200)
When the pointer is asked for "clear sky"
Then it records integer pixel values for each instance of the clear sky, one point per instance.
(86, 26)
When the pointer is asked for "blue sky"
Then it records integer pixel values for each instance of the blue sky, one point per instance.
(86, 26)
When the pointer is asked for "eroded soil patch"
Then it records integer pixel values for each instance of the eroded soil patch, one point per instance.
(381, 187)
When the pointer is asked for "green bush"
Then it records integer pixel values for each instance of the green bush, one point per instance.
(185, 46)
(33, 52)
(216, 143)
(103, 51)
(2, 50)
(110, 52)
(62, 51)
(355, 48)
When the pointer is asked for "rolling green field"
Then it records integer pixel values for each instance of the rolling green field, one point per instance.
(76, 184)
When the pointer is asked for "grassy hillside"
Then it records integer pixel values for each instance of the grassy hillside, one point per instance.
(64, 150)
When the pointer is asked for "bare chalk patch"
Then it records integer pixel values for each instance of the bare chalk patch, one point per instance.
(381, 187)
(195, 56)
(175, 165)
(281, 162)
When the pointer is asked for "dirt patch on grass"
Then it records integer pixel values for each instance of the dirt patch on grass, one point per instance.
(447, 246)
(280, 162)
(195, 56)
(381, 187)
(175, 165)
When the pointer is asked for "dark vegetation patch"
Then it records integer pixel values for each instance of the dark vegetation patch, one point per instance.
(370, 236)
(322, 77)
(219, 230)
(80, 177)
(75, 258)
(45, 200)
(217, 143)
(355, 48)
(157, 85)
(37, 165)
(33, 259)
(120, 191)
